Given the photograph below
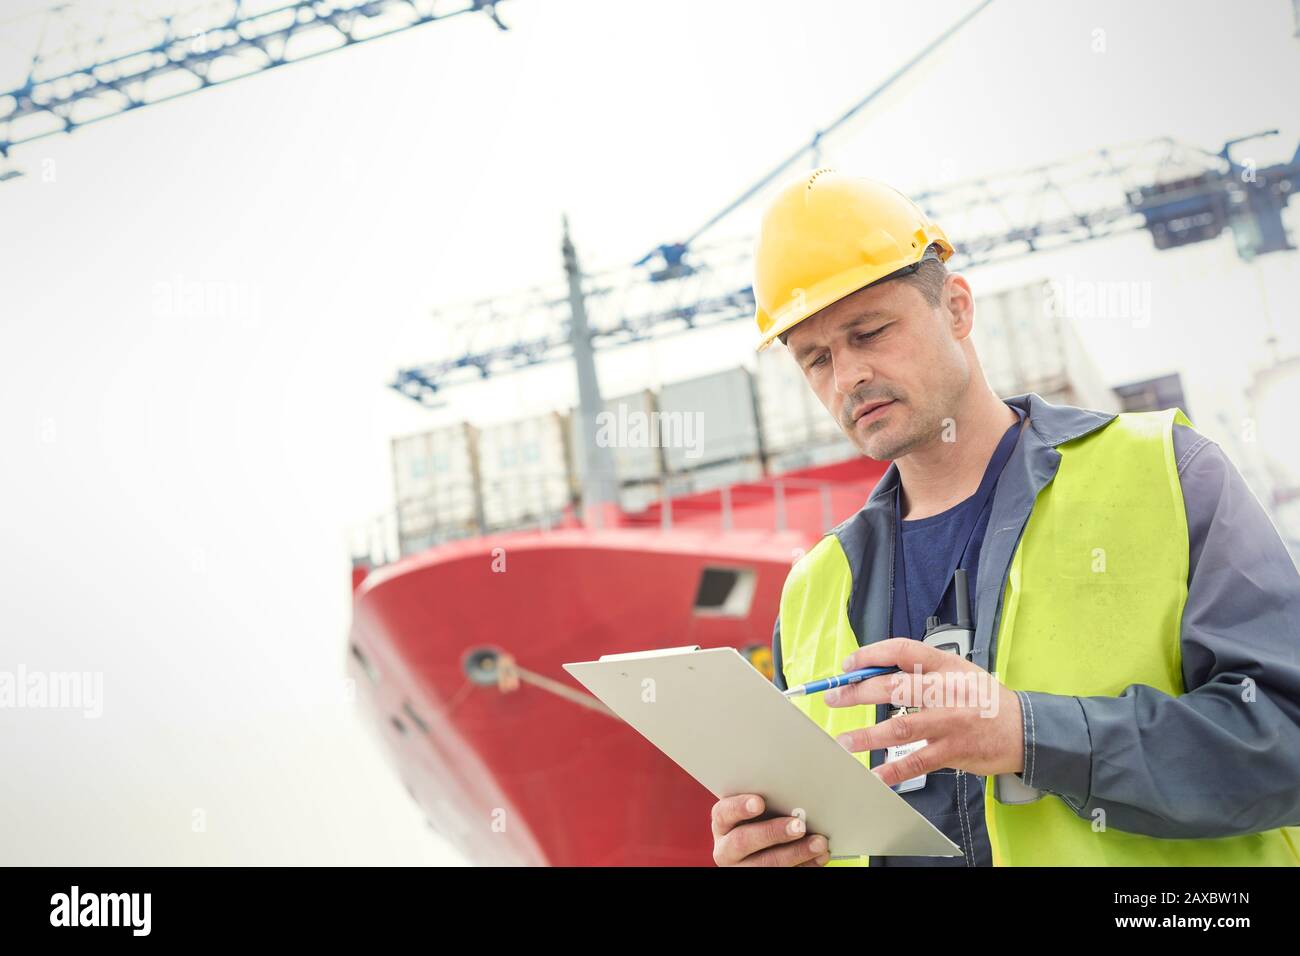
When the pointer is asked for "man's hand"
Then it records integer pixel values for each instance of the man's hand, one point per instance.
(968, 718)
(779, 841)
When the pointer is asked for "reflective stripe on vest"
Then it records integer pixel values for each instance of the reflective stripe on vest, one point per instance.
(1102, 562)
(816, 636)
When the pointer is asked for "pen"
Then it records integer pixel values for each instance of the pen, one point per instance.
(852, 677)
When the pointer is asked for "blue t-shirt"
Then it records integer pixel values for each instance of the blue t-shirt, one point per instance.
(952, 803)
(955, 807)
(927, 549)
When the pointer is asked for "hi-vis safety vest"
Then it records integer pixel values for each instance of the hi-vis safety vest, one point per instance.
(1092, 603)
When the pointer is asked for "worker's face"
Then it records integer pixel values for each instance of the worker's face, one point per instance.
(886, 343)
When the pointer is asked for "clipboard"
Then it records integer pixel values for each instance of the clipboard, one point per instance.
(733, 730)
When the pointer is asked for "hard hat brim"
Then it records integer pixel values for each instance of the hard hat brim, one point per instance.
(845, 284)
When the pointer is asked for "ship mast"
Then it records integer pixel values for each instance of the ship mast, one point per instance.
(595, 461)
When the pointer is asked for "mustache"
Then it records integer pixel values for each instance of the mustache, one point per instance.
(857, 401)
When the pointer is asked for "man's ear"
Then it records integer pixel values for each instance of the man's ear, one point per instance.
(959, 303)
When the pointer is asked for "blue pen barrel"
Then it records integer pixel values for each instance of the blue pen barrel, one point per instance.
(839, 680)
(854, 677)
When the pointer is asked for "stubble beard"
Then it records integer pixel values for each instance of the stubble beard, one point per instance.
(888, 448)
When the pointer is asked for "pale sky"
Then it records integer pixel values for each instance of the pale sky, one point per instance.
(181, 472)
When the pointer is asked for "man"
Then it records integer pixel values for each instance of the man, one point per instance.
(1136, 614)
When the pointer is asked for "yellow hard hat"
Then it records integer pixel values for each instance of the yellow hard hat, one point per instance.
(827, 235)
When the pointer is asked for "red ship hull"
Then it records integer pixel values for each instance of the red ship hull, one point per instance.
(527, 774)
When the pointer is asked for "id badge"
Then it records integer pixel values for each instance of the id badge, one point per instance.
(897, 752)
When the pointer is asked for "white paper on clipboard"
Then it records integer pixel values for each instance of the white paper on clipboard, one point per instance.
(733, 730)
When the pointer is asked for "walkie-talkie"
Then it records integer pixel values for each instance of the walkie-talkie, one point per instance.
(955, 638)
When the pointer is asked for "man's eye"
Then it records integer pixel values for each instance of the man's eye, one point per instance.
(864, 336)
(818, 361)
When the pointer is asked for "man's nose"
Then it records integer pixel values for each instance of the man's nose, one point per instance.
(851, 373)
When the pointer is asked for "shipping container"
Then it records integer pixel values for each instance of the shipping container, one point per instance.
(825, 452)
(708, 420)
(523, 470)
(702, 433)
(1151, 394)
(629, 426)
(1266, 452)
(433, 486)
(1026, 344)
(790, 414)
(714, 476)
(635, 497)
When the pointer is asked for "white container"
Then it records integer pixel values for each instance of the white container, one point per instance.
(629, 426)
(433, 485)
(708, 420)
(790, 414)
(635, 498)
(523, 470)
(714, 476)
(1026, 345)
(1268, 438)
(811, 456)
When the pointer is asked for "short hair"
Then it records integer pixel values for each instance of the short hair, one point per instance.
(927, 278)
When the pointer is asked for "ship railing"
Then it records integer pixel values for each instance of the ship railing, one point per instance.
(683, 510)
(547, 502)
(456, 510)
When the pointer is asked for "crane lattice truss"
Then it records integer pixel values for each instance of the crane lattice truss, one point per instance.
(95, 60)
(1179, 194)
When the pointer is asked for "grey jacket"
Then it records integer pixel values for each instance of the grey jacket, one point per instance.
(1203, 764)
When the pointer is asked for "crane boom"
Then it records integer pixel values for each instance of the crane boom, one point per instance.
(84, 72)
(1179, 194)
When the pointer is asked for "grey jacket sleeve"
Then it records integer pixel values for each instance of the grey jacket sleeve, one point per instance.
(1223, 758)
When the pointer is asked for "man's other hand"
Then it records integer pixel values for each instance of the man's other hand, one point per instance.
(779, 841)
